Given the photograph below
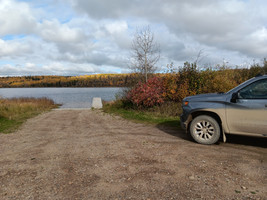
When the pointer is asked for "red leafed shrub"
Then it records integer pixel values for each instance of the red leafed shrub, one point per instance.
(147, 94)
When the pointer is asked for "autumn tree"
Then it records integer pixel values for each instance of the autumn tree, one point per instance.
(145, 52)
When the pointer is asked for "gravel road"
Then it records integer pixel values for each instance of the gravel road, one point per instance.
(85, 154)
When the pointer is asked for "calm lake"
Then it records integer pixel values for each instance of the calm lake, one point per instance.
(68, 97)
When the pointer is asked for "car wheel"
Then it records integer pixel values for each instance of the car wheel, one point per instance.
(205, 130)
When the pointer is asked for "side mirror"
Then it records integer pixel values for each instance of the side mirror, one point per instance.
(234, 97)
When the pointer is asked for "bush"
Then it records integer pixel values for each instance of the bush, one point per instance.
(170, 86)
(173, 86)
(146, 95)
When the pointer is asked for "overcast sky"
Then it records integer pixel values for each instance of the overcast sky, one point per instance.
(75, 37)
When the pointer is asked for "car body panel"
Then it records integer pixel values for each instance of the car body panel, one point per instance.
(238, 116)
(213, 103)
(247, 117)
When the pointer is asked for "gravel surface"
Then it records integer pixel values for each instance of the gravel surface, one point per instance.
(85, 154)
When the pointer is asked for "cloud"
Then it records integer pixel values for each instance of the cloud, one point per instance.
(118, 32)
(53, 31)
(212, 23)
(15, 18)
(88, 36)
(56, 68)
(103, 9)
(11, 48)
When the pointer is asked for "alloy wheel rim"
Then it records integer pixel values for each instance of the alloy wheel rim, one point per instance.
(204, 130)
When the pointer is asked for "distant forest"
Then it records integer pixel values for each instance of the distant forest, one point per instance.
(99, 80)
(189, 74)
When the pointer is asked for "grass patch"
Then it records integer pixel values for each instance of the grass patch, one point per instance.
(151, 116)
(13, 112)
(7, 125)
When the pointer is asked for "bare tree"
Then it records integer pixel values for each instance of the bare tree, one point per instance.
(199, 56)
(145, 52)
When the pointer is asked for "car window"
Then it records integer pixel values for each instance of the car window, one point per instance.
(256, 90)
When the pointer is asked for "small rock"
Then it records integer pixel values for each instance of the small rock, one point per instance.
(243, 188)
(191, 178)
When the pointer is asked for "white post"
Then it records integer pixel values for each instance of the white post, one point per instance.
(97, 103)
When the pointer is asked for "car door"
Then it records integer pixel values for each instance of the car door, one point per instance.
(248, 115)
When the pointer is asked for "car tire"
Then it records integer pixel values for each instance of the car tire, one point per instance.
(205, 130)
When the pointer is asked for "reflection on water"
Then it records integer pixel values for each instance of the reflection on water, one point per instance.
(68, 97)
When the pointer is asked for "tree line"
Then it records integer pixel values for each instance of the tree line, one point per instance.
(97, 80)
(188, 79)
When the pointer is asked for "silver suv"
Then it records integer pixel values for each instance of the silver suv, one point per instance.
(242, 110)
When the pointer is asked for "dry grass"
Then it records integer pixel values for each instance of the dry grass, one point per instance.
(13, 112)
(167, 109)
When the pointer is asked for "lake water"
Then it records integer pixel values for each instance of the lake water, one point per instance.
(68, 97)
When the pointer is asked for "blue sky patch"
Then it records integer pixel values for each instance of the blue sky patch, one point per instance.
(13, 37)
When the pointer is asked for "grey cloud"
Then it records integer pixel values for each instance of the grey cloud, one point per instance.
(98, 36)
(214, 23)
(103, 9)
